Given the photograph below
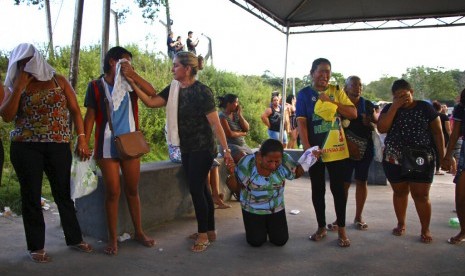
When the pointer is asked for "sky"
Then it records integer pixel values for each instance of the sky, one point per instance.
(242, 43)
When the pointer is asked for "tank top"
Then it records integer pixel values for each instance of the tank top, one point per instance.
(42, 116)
(275, 120)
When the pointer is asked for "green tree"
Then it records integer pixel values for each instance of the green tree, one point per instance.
(380, 89)
(431, 83)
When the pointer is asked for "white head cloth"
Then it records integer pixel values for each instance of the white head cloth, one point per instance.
(37, 66)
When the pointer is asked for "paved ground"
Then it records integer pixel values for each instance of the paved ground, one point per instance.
(373, 252)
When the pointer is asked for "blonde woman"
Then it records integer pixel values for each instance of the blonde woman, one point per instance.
(197, 122)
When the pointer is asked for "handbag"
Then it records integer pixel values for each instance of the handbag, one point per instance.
(417, 164)
(356, 145)
(129, 145)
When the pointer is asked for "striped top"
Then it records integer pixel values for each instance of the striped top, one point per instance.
(124, 120)
(263, 195)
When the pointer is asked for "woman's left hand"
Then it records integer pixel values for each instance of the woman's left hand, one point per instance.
(82, 149)
(229, 161)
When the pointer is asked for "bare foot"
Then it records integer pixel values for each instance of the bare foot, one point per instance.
(145, 240)
(111, 249)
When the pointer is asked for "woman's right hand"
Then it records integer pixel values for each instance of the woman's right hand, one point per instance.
(400, 99)
(22, 80)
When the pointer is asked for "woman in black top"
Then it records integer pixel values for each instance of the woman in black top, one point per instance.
(409, 124)
(197, 119)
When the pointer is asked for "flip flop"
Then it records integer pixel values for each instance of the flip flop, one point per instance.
(332, 227)
(200, 246)
(343, 242)
(83, 247)
(223, 206)
(317, 236)
(361, 225)
(438, 173)
(39, 257)
(426, 239)
(211, 237)
(398, 231)
(454, 240)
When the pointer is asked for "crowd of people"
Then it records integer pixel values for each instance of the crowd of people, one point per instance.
(334, 125)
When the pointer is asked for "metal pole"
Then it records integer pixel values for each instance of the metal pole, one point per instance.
(283, 102)
(115, 21)
(293, 86)
(76, 43)
(51, 49)
(105, 31)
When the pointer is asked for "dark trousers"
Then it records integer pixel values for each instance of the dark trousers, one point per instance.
(259, 227)
(336, 184)
(197, 164)
(30, 161)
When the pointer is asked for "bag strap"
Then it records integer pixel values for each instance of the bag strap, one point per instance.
(107, 105)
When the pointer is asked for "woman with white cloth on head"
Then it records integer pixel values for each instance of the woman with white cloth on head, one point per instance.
(41, 103)
(116, 84)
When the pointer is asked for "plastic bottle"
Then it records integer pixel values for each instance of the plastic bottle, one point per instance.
(454, 222)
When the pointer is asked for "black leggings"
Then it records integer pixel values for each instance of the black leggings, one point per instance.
(196, 165)
(336, 184)
(30, 161)
(259, 227)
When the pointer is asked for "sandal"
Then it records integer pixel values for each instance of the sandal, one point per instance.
(398, 231)
(200, 246)
(39, 257)
(317, 236)
(426, 239)
(83, 247)
(211, 236)
(110, 250)
(343, 242)
(360, 225)
(454, 240)
(332, 227)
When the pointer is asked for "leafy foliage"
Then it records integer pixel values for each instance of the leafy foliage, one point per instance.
(150, 8)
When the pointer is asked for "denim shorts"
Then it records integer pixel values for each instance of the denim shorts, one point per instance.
(275, 135)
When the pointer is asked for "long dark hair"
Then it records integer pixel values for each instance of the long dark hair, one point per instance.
(114, 53)
(225, 99)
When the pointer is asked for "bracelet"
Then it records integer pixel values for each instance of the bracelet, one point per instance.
(81, 134)
(226, 150)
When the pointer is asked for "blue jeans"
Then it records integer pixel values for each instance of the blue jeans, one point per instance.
(275, 135)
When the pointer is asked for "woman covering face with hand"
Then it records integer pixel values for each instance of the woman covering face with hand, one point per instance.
(409, 124)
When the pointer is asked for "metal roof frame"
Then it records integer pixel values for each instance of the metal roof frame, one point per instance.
(320, 16)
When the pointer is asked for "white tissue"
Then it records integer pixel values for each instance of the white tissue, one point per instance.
(308, 159)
